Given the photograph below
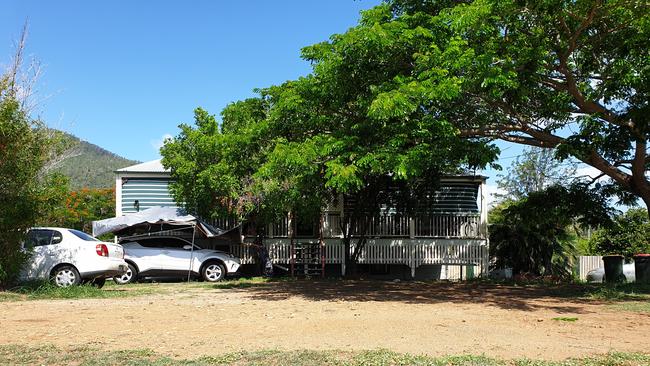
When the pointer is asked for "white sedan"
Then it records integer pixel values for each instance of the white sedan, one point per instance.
(70, 257)
(167, 256)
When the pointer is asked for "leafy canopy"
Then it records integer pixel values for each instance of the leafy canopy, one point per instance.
(334, 131)
(23, 152)
(628, 235)
(564, 74)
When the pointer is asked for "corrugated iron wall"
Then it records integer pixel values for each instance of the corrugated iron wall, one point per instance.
(149, 192)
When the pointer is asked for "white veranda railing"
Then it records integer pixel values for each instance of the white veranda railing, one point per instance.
(412, 253)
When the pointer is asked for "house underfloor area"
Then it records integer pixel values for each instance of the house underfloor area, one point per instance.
(380, 258)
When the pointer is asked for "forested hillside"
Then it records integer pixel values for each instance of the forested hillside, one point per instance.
(88, 165)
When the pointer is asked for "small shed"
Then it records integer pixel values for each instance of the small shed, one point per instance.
(142, 186)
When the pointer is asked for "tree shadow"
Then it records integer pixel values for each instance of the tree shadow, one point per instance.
(558, 298)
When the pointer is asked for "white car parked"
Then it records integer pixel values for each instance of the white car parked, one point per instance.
(70, 257)
(166, 256)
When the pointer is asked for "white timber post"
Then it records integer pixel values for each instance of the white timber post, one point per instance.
(118, 195)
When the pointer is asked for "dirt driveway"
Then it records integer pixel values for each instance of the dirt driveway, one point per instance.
(418, 318)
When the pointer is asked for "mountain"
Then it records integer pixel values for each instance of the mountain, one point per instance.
(86, 164)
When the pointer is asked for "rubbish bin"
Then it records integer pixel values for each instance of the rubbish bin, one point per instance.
(614, 268)
(642, 268)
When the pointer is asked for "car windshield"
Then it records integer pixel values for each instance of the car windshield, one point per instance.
(83, 236)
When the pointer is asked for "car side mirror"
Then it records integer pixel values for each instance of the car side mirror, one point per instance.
(187, 247)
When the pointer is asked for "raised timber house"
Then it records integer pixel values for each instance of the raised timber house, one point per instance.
(445, 237)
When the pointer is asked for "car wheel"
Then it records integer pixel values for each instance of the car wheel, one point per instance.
(65, 276)
(213, 272)
(131, 275)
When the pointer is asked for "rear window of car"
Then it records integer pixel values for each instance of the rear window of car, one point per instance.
(40, 237)
(83, 236)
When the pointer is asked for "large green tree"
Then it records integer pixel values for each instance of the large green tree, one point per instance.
(28, 192)
(564, 74)
(418, 89)
(23, 151)
(316, 138)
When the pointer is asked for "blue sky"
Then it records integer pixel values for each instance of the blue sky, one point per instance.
(123, 74)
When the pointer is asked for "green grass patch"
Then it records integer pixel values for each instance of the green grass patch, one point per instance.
(243, 283)
(565, 319)
(599, 292)
(23, 355)
(621, 292)
(633, 306)
(45, 290)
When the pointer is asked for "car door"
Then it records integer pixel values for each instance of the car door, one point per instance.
(43, 244)
(145, 253)
(173, 255)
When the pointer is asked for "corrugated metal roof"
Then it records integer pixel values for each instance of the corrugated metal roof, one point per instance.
(154, 166)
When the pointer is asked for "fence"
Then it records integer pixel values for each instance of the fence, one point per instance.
(588, 262)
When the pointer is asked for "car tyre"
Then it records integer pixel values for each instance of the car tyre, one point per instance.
(213, 272)
(65, 276)
(130, 276)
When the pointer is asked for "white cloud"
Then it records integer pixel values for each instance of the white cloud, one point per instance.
(158, 143)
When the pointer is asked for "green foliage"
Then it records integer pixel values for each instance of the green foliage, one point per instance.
(531, 235)
(336, 131)
(31, 190)
(628, 235)
(75, 209)
(46, 290)
(23, 150)
(621, 292)
(570, 75)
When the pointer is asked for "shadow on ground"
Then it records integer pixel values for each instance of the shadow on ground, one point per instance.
(558, 298)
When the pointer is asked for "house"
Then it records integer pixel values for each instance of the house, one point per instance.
(446, 237)
(142, 186)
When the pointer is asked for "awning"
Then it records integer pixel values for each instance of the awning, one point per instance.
(154, 215)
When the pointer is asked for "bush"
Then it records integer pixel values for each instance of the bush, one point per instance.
(532, 235)
(629, 235)
(23, 151)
